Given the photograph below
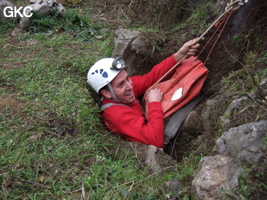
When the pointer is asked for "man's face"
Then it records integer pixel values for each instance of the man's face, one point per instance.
(123, 87)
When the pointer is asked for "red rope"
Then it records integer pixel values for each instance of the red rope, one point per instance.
(216, 23)
(219, 24)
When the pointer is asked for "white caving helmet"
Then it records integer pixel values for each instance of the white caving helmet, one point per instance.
(103, 72)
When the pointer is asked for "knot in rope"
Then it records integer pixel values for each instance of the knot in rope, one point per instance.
(234, 5)
(230, 7)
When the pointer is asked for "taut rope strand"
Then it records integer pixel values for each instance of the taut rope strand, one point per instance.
(233, 5)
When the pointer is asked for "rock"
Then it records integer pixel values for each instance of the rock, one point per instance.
(261, 92)
(158, 163)
(193, 123)
(207, 112)
(245, 142)
(173, 187)
(215, 173)
(154, 158)
(220, 172)
(235, 105)
(40, 7)
(130, 45)
(151, 158)
(45, 6)
(123, 41)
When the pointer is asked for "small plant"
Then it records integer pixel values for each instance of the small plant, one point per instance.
(70, 21)
(6, 26)
(263, 57)
(251, 185)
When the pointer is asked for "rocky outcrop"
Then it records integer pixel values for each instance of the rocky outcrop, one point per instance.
(215, 174)
(234, 105)
(131, 46)
(40, 7)
(245, 142)
(220, 172)
(237, 147)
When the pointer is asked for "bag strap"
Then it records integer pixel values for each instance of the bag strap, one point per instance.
(112, 104)
(176, 122)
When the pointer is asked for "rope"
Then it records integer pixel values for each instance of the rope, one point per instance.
(220, 23)
(224, 24)
(231, 6)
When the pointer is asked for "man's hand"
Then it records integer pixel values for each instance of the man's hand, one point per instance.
(154, 95)
(188, 49)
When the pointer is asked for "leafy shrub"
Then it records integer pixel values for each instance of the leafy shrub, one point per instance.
(6, 25)
(70, 21)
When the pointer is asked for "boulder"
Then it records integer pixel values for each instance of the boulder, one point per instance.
(208, 112)
(214, 175)
(153, 158)
(245, 142)
(220, 172)
(193, 124)
(158, 163)
(235, 105)
(131, 46)
(40, 7)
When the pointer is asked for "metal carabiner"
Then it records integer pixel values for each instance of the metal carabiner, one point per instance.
(243, 2)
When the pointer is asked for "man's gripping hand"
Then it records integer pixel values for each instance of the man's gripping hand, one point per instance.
(154, 95)
(188, 49)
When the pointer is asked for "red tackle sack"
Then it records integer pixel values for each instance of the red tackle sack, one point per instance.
(183, 86)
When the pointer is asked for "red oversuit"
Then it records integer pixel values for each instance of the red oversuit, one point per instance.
(128, 120)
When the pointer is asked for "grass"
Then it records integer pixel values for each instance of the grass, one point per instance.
(38, 160)
(52, 142)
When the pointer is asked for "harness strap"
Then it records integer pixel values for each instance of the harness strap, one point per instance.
(112, 104)
(112, 91)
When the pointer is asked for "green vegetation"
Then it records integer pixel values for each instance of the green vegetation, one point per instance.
(6, 26)
(251, 183)
(69, 21)
(52, 142)
(263, 58)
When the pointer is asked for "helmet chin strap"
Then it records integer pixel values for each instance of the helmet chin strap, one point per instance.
(112, 92)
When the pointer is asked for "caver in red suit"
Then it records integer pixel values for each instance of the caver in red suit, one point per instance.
(128, 120)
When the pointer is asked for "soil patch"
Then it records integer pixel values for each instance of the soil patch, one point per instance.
(12, 65)
(11, 103)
